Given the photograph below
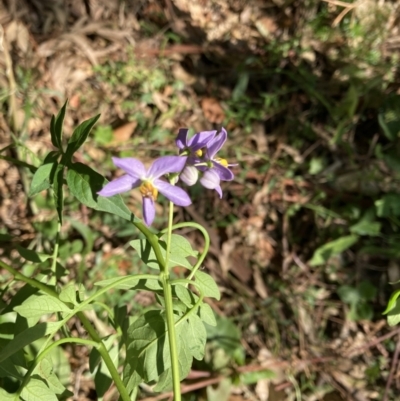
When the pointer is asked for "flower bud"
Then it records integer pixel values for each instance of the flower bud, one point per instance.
(189, 175)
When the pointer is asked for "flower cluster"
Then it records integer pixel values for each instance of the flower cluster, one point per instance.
(197, 158)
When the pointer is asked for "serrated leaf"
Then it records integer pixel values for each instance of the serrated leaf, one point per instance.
(196, 336)
(206, 314)
(207, 285)
(32, 256)
(324, 252)
(27, 337)
(42, 178)
(84, 183)
(56, 126)
(36, 390)
(79, 136)
(36, 306)
(58, 182)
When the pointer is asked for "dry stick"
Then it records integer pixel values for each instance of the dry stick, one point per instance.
(392, 370)
(372, 343)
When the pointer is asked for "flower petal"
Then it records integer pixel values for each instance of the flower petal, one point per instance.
(174, 194)
(181, 140)
(216, 144)
(210, 179)
(224, 173)
(149, 211)
(166, 164)
(133, 167)
(122, 184)
(200, 140)
(219, 190)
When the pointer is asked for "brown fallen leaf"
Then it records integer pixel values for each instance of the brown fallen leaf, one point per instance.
(212, 110)
(123, 133)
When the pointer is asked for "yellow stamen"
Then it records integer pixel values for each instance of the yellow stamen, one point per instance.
(199, 153)
(222, 162)
(147, 190)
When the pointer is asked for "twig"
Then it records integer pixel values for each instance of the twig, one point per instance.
(373, 343)
(392, 370)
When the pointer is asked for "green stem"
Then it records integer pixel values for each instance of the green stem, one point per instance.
(31, 281)
(169, 310)
(54, 257)
(106, 357)
(47, 350)
(153, 239)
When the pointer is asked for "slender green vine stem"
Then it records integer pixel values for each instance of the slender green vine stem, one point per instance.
(206, 243)
(169, 311)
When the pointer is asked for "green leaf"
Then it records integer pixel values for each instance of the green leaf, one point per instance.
(324, 252)
(388, 206)
(68, 294)
(392, 302)
(79, 136)
(367, 225)
(254, 377)
(185, 295)
(56, 126)
(36, 306)
(21, 295)
(206, 314)
(393, 316)
(207, 285)
(180, 250)
(32, 256)
(41, 179)
(27, 337)
(45, 371)
(4, 396)
(58, 182)
(349, 295)
(36, 390)
(84, 183)
(7, 368)
(367, 290)
(148, 345)
(196, 336)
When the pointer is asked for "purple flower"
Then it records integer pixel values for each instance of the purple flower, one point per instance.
(149, 182)
(194, 145)
(215, 168)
